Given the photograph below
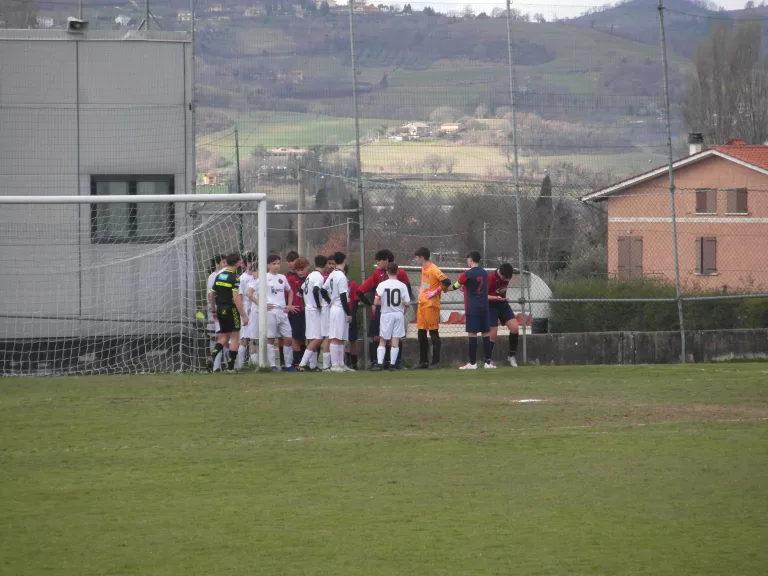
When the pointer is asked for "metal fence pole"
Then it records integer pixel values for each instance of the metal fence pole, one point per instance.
(262, 250)
(240, 237)
(671, 183)
(516, 171)
(361, 226)
(192, 100)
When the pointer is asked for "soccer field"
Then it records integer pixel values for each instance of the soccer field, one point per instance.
(616, 471)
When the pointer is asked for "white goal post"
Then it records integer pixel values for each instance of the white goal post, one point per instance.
(117, 283)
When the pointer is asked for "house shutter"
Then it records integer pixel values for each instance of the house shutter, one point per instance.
(624, 257)
(709, 255)
(636, 257)
(701, 201)
(741, 201)
(699, 267)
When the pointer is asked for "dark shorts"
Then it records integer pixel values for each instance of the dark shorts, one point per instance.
(353, 326)
(477, 321)
(298, 325)
(373, 327)
(500, 313)
(229, 319)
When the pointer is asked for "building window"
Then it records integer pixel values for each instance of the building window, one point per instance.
(706, 201)
(148, 223)
(630, 257)
(706, 255)
(737, 201)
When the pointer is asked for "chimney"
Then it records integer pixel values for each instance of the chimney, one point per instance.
(695, 143)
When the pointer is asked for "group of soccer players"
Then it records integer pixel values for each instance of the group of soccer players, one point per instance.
(307, 311)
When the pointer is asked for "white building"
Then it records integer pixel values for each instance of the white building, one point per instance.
(88, 114)
(123, 20)
(44, 22)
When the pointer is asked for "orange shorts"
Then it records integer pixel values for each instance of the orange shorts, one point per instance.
(427, 318)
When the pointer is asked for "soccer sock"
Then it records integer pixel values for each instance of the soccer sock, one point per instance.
(393, 355)
(386, 355)
(423, 347)
(313, 360)
(472, 350)
(335, 355)
(288, 355)
(282, 357)
(271, 354)
(436, 346)
(381, 352)
(353, 360)
(302, 349)
(513, 344)
(372, 345)
(488, 349)
(218, 357)
(242, 354)
(326, 360)
(306, 357)
(232, 359)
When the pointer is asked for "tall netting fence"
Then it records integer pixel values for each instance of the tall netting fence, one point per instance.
(540, 135)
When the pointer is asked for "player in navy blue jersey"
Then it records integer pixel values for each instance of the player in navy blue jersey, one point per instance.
(475, 285)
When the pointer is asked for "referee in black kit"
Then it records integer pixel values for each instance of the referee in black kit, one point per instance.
(229, 311)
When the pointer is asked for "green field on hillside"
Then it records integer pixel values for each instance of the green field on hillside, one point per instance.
(628, 470)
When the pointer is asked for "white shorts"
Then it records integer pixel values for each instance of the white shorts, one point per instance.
(392, 326)
(314, 329)
(252, 330)
(278, 325)
(338, 327)
(324, 320)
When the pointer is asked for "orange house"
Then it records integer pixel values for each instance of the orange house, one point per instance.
(721, 209)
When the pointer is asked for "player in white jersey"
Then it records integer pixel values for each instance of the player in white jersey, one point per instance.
(313, 301)
(325, 315)
(279, 303)
(392, 295)
(336, 291)
(219, 263)
(246, 278)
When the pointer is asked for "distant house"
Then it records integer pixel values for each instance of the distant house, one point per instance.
(287, 152)
(44, 22)
(123, 20)
(184, 16)
(253, 11)
(416, 129)
(216, 8)
(721, 215)
(452, 127)
(294, 76)
(210, 179)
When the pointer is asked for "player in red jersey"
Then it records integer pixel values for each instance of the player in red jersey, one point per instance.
(298, 270)
(351, 359)
(500, 310)
(382, 258)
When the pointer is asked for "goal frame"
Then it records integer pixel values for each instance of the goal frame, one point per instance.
(261, 237)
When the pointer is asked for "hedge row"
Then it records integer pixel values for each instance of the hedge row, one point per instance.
(649, 316)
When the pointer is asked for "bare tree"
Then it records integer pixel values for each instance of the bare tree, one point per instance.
(433, 162)
(727, 96)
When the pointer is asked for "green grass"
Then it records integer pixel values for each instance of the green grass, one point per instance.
(621, 470)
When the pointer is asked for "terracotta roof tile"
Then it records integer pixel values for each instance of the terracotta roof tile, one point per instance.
(755, 155)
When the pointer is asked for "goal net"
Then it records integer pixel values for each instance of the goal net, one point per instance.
(118, 285)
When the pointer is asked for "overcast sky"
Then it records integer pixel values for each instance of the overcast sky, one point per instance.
(561, 8)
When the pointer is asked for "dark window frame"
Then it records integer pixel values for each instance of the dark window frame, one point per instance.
(702, 268)
(132, 180)
(733, 195)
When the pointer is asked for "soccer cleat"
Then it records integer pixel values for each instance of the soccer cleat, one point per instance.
(392, 368)
(349, 369)
(315, 369)
(231, 371)
(275, 369)
(422, 367)
(337, 369)
(489, 366)
(400, 366)
(209, 365)
(301, 368)
(435, 366)
(468, 366)
(289, 369)
(375, 368)
(512, 361)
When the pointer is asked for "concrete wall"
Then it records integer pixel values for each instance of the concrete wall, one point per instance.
(742, 239)
(73, 106)
(617, 347)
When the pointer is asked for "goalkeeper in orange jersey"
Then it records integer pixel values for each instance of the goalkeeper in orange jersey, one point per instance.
(433, 283)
